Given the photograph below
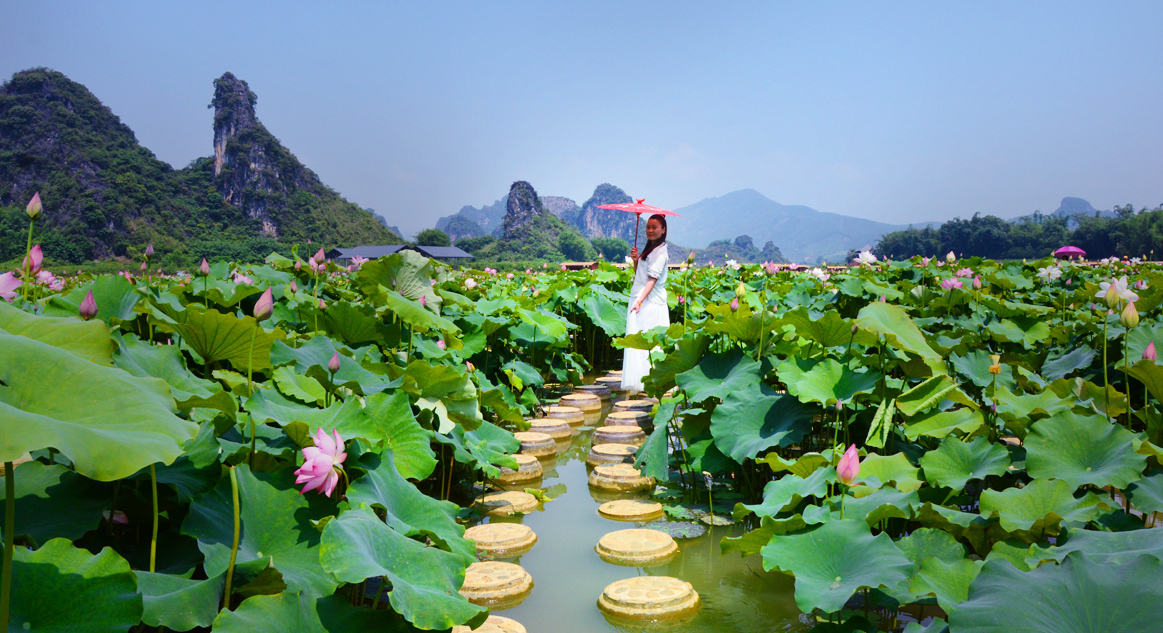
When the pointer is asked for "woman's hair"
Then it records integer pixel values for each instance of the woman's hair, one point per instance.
(653, 244)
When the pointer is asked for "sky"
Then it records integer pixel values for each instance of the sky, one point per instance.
(899, 112)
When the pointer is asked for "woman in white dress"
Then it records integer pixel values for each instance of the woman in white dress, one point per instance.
(648, 307)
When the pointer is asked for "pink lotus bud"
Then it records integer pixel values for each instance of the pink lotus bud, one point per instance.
(308, 241)
(264, 306)
(149, 251)
(34, 259)
(1149, 353)
(884, 298)
(333, 364)
(423, 301)
(322, 305)
(294, 288)
(204, 269)
(320, 256)
(298, 264)
(116, 517)
(440, 344)
(469, 365)
(33, 208)
(143, 268)
(735, 304)
(681, 300)
(849, 466)
(977, 282)
(1069, 281)
(854, 328)
(88, 307)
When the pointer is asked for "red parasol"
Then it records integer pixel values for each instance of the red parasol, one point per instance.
(637, 208)
(1067, 252)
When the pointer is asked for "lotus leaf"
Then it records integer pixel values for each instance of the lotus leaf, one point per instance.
(289, 612)
(1146, 494)
(955, 462)
(1044, 502)
(653, 458)
(825, 381)
(826, 330)
(807, 464)
(942, 423)
(948, 581)
(52, 501)
(898, 329)
(298, 386)
(85, 339)
(115, 297)
(891, 468)
(1083, 449)
(880, 504)
(1115, 548)
(790, 490)
(930, 393)
(1061, 365)
(178, 603)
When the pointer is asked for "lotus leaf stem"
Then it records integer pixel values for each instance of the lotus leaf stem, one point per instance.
(379, 593)
(1106, 385)
(234, 543)
(153, 536)
(9, 541)
(250, 391)
(27, 279)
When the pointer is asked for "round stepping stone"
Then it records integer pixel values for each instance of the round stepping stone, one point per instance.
(572, 416)
(611, 382)
(618, 435)
(640, 419)
(611, 454)
(502, 539)
(583, 401)
(528, 469)
(619, 477)
(636, 547)
(557, 429)
(649, 597)
(635, 405)
(495, 584)
(503, 503)
(631, 510)
(536, 444)
(494, 624)
(601, 391)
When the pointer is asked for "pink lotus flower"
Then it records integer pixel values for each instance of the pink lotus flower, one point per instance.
(849, 466)
(470, 283)
(264, 306)
(128, 276)
(681, 300)
(440, 344)
(964, 272)
(423, 301)
(333, 364)
(1149, 353)
(143, 265)
(311, 263)
(34, 259)
(924, 261)
(951, 283)
(322, 305)
(149, 251)
(771, 267)
(321, 468)
(509, 276)
(88, 307)
(298, 264)
(8, 285)
(358, 261)
(240, 278)
(34, 207)
(320, 256)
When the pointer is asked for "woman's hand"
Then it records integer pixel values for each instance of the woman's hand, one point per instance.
(634, 306)
(634, 253)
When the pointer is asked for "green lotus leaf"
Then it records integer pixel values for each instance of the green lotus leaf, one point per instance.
(825, 381)
(1024, 556)
(499, 399)
(522, 374)
(165, 362)
(880, 504)
(1044, 502)
(276, 524)
(936, 625)
(289, 612)
(410, 444)
(115, 297)
(718, 375)
(974, 367)
(303, 388)
(314, 355)
(1027, 330)
(223, 337)
(930, 393)
(1146, 494)
(891, 468)
(653, 458)
(486, 447)
(450, 386)
(54, 502)
(1017, 409)
(948, 581)
(833, 561)
(882, 424)
(178, 603)
(1115, 548)
(86, 339)
(352, 323)
(1150, 374)
(740, 325)
(63, 588)
(1061, 364)
(807, 463)
(900, 331)
(109, 423)
(1092, 395)
(789, 490)
(414, 315)
(704, 455)
(406, 273)
(828, 329)
(409, 511)
(1083, 449)
(941, 423)
(753, 542)
(425, 580)
(1079, 596)
(756, 418)
(604, 313)
(1139, 338)
(686, 356)
(549, 326)
(954, 462)
(927, 543)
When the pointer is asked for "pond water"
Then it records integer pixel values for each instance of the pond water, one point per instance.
(737, 595)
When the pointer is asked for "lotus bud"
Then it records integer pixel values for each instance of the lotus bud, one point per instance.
(995, 364)
(740, 290)
(440, 344)
(854, 328)
(322, 305)
(468, 364)
(734, 304)
(849, 466)
(924, 261)
(1069, 280)
(950, 257)
(34, 259)
(88, 307)
(143, 268)
(298, 265)
(264, 306)
(1112, 295)
(320, 256)
(690, 258)
(977, 282)
(839, 406)
(204, 269)
(1130, 315)
(1149, 353)
(333, 364)
(423, 301)
(149, 251)
(294, 287)
(681, 300)
(884, 298)
(33, 208)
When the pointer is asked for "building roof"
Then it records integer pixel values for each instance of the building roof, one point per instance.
(368, 252)
(442, 252)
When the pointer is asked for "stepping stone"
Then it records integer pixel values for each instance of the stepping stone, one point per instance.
(636, 547)
(583, 401)
(501, 540)
(640, 419)
(496, 585)
(572, 416)
(619, 435)
(619, 477)
(631, 510)
(528, 469)
(554, 428)
(601, 391)
(649, 597)
(611, 454)
(635, 405)
(536, 444)
(504, 503)
(613, 383)
(494, 624)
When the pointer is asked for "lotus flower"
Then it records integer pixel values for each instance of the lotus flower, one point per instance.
(849, 466)
(333, 364)
(240, 278)
(509, 276)
(440, 344)
(819, 273)
(1115, 290)
(1049, 273)
(311, 263)
(865, 258)
(264, 306)
(950, 257)
(8, 285)
(924, 261)
(322, 466)
(469, 365)
(1149, 353)
(294, 286)
(204, 269)
(358, 261)
(322, 305)
(735, 304)
(298, 265)
(33, 208)
(423, 301)
(149, 251)
(977, 282)
(88, 307)
(732, 264)
(34, 259)
(963, 272)
(681, 300)
(952, 283)
(1129, 316)
(320, 256)
(740, 290)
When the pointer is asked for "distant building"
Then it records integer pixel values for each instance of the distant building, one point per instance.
(447, 254)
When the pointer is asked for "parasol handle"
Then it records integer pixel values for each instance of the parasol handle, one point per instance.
(637, 221)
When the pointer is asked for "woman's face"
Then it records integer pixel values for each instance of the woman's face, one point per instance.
(653, 229)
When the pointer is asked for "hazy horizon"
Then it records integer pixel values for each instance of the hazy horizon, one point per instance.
(899, 113)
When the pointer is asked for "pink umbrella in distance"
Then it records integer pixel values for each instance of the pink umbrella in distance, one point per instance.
(1066, 252)
(637, 208)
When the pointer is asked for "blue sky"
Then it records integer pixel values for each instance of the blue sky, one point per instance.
(899, 112)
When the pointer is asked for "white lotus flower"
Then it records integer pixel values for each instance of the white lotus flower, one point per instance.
(1114, 290)
(732, 264)
(1049, 273)
(865, 258)
(819, 273)
(470, 283)
(950, 257)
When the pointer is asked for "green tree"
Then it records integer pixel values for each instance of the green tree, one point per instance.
(433, 237)
(474, 244)
(613, 249)
(575, 247)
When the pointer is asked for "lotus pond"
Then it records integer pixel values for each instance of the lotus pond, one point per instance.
(962, 446)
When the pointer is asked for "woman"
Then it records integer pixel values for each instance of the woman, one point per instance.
(648, 307)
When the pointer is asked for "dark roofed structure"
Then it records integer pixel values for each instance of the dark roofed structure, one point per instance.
(443, 253)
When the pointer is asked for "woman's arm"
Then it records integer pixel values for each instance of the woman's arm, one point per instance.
(645, 293)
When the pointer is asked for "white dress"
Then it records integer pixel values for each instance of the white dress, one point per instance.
(652, 313)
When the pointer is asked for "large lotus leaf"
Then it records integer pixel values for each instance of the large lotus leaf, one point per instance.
(974, 367)
(406, 273)
(450, 386)
(753, 542)
(276, 524)
(1139, 338)
(115, 297)
(86, 339)
(499, 398)
(347, 417)
(604, 313)
(1017, 409)
(935, 625)
(653, 458)
(955, 462)
(826, 330)
(755, 418)
(178, 603)
(1146, 494)
(898, 329)
(1026, 330)
(833, 561)
(882, 424)
(290, 612)
(414, 315)
(316, 353)
(928, 543)
(880, 504)
(1043, 501)
(718, 375)
(410, 444)
(1060, 365)
(1150, 374)
(224, 337)
(1092, 395)
(1024, 557)
(298, 386)
(522, 374)
(891, 468)
(162, 361)
(409, 511)
(549, 326)
(425, 580)
(942, 423)
(789, 490)
(740, 325)
(352, 323)
(52, 501)
(805, 465)
(930, 393)
(485, 447)
(825, 381)
(109, 423)
(686, 356)
(1111, 547)
(62, 589)
(948, 581)
(1079, 596)
(1083, 449)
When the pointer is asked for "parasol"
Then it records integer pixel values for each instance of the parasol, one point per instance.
(637, 208)
(1066, 252)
